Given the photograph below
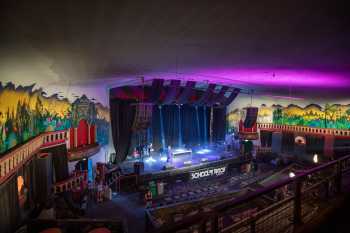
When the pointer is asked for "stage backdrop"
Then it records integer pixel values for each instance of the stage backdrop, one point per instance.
(26, 111)
(184, 125)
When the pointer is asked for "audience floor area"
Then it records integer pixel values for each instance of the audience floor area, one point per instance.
(131, 207)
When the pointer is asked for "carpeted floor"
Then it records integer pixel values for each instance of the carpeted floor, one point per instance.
(125, 206)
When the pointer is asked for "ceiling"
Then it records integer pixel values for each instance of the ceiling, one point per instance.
(298, 48)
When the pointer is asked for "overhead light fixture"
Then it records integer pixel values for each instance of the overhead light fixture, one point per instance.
(291, 174)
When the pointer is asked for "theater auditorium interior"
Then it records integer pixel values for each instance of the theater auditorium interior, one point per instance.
(174, 116)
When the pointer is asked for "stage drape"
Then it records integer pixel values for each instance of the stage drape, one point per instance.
(190, 134)
(219, 124)
(60, 162)
(122, 118)
(43, 179)
(314, 144)
(29, 182)
(9, 206)
(204, 112)
(171, 124)
(288, 142)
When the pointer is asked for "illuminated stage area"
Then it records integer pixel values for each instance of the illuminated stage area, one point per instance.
(158, 162)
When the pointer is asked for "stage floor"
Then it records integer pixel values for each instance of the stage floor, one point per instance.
(157, 162)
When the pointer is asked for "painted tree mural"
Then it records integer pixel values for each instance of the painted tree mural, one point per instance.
(331, 116)
(25, 113)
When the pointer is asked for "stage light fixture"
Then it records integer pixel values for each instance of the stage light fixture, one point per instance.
(315, 158)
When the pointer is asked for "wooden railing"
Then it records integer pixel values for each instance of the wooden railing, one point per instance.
(304, 129)
(15, 158)
(303, 197)
(72, 183)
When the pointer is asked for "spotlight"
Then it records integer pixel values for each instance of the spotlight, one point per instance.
(315, 158)
(163, 158)
(291, 174)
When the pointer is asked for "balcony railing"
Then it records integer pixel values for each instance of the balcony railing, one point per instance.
(72, 183)
(294, 201)
(304, 129)
(15, 158)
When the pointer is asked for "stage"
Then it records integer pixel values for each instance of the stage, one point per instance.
(202, 163)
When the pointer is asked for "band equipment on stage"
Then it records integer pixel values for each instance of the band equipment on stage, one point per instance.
(182, 151)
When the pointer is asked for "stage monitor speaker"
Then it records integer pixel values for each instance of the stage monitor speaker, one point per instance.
(251, 117)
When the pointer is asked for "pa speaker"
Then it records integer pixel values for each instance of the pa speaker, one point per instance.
(251, 116)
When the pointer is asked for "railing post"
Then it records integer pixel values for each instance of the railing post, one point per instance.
(297, 201)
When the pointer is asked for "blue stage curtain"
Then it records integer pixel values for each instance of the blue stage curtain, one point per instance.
(189, 130)
(190, 135)
(171, 124)
(204, 124)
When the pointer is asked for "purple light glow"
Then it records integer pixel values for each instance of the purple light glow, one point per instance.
(261, 77)
(282, 77)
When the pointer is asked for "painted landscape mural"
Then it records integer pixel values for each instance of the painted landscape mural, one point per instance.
(26, 111)
(330, 116)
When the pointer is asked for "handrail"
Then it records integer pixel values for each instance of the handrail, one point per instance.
(248, 197)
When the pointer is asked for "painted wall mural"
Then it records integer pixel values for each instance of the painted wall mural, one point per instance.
(26, 111)
(313, 115)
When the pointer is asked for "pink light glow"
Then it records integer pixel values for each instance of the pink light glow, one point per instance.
(262, 77)
(281, 77)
